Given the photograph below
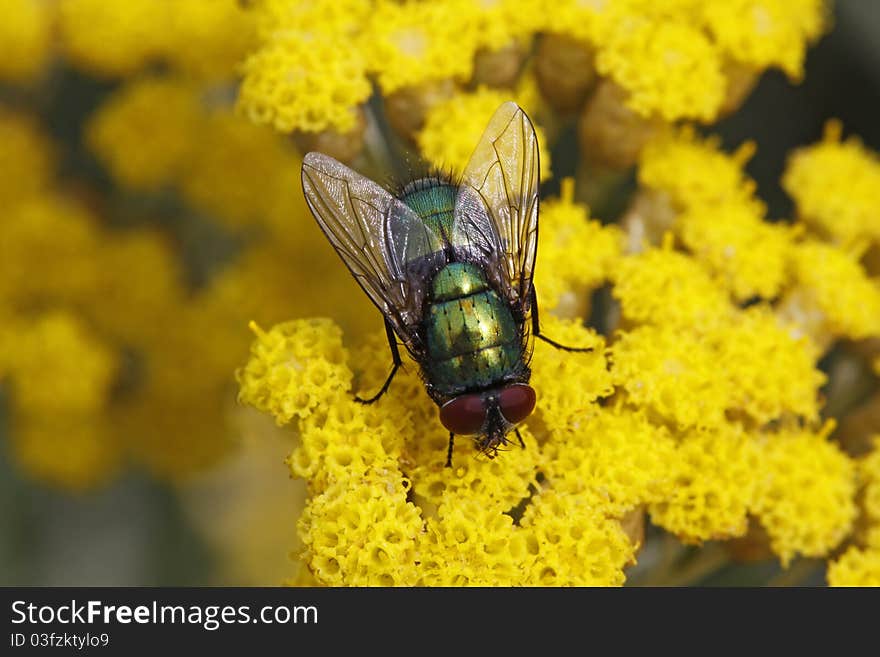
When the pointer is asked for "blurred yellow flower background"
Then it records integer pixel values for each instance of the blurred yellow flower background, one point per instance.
(160, 272)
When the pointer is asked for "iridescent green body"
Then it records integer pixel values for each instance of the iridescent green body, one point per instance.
(472, 339)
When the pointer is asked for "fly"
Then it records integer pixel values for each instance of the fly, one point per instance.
(450, 265)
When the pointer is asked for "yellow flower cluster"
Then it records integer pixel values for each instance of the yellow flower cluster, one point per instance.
(860, 565)
(454, 126)
(749, 255)
(694, 171)
(127, 286)
(805, 498)
(377, 479)
(55, 364)
(419, 42)
(668, 288)
(712, 423)
(60, 376)
(674, 58)
(650, 64)
(112, 39)
(27, 158)
(141, 152)
(196, 148)
(751, 365)
(840, 288)
(836, 186)
(205, 38)
(764, 33)
(26, 35)
(384, 510)
(306, 82)
(63, 232)
(716, 214)
(670, 68)
(563, 275)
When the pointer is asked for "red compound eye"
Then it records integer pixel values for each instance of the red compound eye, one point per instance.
(464, 415)
(517, 402)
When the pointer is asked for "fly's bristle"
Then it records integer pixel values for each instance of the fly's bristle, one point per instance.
(425, 178)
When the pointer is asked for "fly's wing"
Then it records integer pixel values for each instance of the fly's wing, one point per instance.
(374, 233)
(496, 213)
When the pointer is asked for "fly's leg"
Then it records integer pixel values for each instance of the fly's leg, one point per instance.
(536, 327)
(449, 451)
(395, 357)
(519, 437)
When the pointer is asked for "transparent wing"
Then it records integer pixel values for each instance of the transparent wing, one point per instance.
(497, 206)
(374, 233)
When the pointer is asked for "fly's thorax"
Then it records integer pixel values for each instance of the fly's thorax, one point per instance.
(433, 199)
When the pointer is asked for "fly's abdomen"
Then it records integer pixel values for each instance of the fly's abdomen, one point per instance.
(472, 337)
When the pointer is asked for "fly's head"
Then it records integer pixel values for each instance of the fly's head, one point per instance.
(490, 415)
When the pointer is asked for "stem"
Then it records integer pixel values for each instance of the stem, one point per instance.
(690, 570)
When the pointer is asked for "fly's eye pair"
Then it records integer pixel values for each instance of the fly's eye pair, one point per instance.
(466, 415)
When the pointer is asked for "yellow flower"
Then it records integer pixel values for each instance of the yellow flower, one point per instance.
(574, 542)
(26, 33)
(208, 38)
(695, 171)
(309, 82)
(749, 255)
(364, 534)
(411, 43)
(283, 377)
(712, 486)
(259, 284)
(204, 38)
(72, 450)
(837, 284)
(499, 22)
(139, 278)
(856, 567)
(568, 386)
(836, 186)
(804, 492)
(576, 253)
(614, 453)
(669, 67)
(27, 158)
(282, 18)
(113, 38)
(662, 286)
(471, 545)
(216, 183)
(62, 237)
(140, 151)
(585, 21)
(764, 33)
(453, 128)
(771, 367)
(799, 485)
(56, 364)
(750, 365)
(869, 480)
(655, 365)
